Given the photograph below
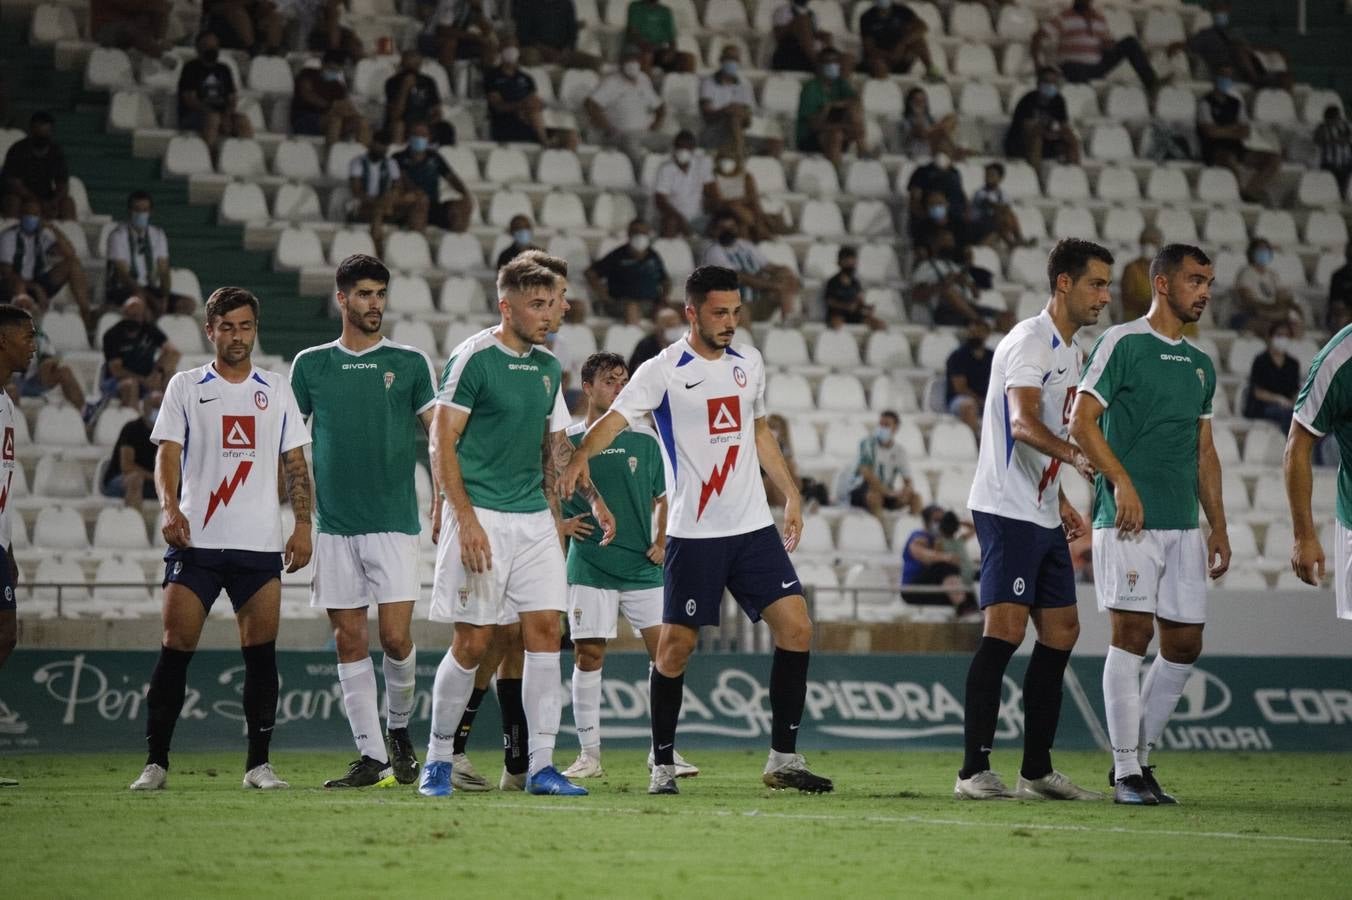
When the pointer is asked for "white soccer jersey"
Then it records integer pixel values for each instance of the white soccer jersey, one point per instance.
(8, 461)
(1013, 479)
(232, 435)
(706, 413)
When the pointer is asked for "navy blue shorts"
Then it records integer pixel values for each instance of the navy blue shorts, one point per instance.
(754, 566)
(1022, 562)
(241, 573)
(7, 601)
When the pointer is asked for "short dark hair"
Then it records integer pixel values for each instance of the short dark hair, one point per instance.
(41, 117)
(556, 264)
(600, 363)
(1071, 257)
(999, 168)
(357, 267)
(11, 315)
(706, 279)
(228, 299)
(139, 195)
(890, 414)
(846, 252)
(1279, 324)
(1171, 257)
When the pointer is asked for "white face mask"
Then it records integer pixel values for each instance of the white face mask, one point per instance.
(1149, 250)
(673, 334)
(683, 156)
(727, 166)
(1281, 343)
(639, 242)
(631, 69)
(510, 55)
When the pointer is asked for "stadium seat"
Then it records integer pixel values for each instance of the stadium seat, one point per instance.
(57, 476)
(1111, 142)
(184, 281)
(298, 248)
(60, 528)
(1273, 106)
(886, 303)
(460, 253)
(888, 350)
(980, 101)
(1118, 184)
(788, 392)
(1216, 185)
(506, 205)
(457, 332)
(816, 535)
(769, 174)
(186, 155)
(952, 440)
(462, 297)
(1225, 226)
(296, 203)
(1325, 229)
(130, 110)
(409, 295)
(1031, 221)
(1316, 102)
(867, 178)
(52, 22)
(1264, 446)
(779, 95)
(1162, 28)
(1290, 270)
(120, 528)
(242, 158)
(1227, 448)
(108, 68)
(935, 348)
(1127, 103)
(563, 210)
(297, 159)
(109, 424)
(184, 332)
(871, 218)
(1067, 183)
(66, 330)
(676, 256)
(1176, 105)
(1277, 227)
(1074, 221)
(1123, 225)
(954, 485)
(612, 213)
(842, 394)
(785, 348)
(860, 533)
(559, 167)
(816, 176)
(1243, 350)
(838, 349)
(1028, 266)
(340, 159)
(804, 439)
(1176, 224)
(840, 444)
(122, 600)
(407, 251)
(821, 218)
(611, 170)
(415, 333)
(975, 61)
(882, 98)
(61, 425)
(348, 241)
(1021, 181)
(507, 165)
(680, 92)
(621, 338)
(878, 263)
(270, 75)
(370, 75)
(972, 22)
(243, 201)
(73, 597)
(1269, 494)
(1168, 185)
(1317, 188)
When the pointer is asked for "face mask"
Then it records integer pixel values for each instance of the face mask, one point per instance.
(884, 435)
(1263, 257)
(29, 224)
(639, 243)
(727, 166)
(1149, 250)
(631, 69)
(522, 236)
(140, 220)
(332, 76)
(1048, 90)
(831, 71)
(510, 55)
(673, 334)
(1221, 19)
(942, 160)
(938, 212)
(1224, 85)
(210, 56)
(882, 4)
(1281, 343)
(729, 67)
(683, 156)
(727, 238)
(417, 143)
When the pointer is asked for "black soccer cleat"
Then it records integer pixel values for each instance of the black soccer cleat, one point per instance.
(402, 758)
(365, 772)
(794, 775)
(1133, 791)
(1148, 776)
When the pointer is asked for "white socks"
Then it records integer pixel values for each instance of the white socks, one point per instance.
(540, 689)
(358, 680)
(587, 710)
(1163, 685)
(399, 677)
(1122, 703)
(450, 696)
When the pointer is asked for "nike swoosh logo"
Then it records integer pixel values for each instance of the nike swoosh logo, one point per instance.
(696, 384)
(1060, 371)
(206, 399)
(793, 728)
(789, 583)
(665, 746)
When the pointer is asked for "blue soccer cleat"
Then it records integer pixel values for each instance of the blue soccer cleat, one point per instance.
(435, 780)
(549, 781)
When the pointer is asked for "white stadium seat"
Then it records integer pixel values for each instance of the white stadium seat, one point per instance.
(841, 393)
(348, 241)
(243, 201)
(788, 392)
(1317, 188)
(785, 348)
(1068, 183)
(296, 203)
(187, 155)
(1216, 185)
(297, 159)
(108, 68)
(1118, 184)
(60, 528)
(409, 295)
(459, 253)
(298, 248)
(60, 424)
(120, 528)
(1167, 185)
(242, 158)
(611, 170)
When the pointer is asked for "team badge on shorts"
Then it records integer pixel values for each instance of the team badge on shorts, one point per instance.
(464, 596)
(389, 380)
(1131, 581)
(260, 400)
(633, 465)
(577, 616)
(690, 607)
(178, 567)
(1019, 587)
(549, 385)
(9, 594)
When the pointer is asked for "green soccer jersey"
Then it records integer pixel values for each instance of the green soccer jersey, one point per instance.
(629, 475)
(509, 398)
(363, 410)
(1325, 407)
(1153, 391)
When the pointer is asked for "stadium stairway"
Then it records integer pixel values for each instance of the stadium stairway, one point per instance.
(104, 162)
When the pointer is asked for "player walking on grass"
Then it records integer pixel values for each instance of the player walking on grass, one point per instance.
(708, 400)
(1023, 521)
(219, 432)
(18, 343)
(500, 551)
(364, 396)
(625, 576)
(1143, 417)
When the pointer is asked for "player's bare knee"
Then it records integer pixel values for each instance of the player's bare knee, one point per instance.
(469, 646)
(589, 654)
(396, 643)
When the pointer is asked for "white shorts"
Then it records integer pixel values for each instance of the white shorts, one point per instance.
(1342, 569)
(527, 575)
(594, 612)
(352, 571)
(1162, 572)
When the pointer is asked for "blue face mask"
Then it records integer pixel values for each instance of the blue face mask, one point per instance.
(522, 236)
(884, 435)
(1224, 85)
(1221, 19)
(1048, 90)
(938, 212)
(140, 220)
(1263, 257)
(417, 143)
(831, 71)
(729, 68)
(29, 224)
(330, 75)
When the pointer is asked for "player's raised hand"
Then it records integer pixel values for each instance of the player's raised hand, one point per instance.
(1130, 512)
(1084, 466)
(298, 548)
(603, 517)
(577, 527)
(793, 522)
(1307, 560)
(576, 475)
(177, 533)
(476, 554)
(1218, 552)
(1072, 522)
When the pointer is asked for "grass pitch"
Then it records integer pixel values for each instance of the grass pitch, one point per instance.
(1248, 825)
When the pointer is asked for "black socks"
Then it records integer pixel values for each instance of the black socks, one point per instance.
(666, 695)
(513, 726)
(467, 720)
(164, 702)
(260, 699)
(982, 704)
(788, 691)
(1041, 708)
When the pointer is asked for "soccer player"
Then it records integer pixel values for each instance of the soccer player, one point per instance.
(365, 394)
(708, 400)
(1023, 521)
(18, 343)
(500, 553)
(625, 576)
(220, 430)
(1142, 415)
(1323, 407)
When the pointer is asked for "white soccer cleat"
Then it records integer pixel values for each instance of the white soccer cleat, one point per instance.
(464, 777)
(586, 766)
(663, 780)
(8, 782)
(263, 778)
(982, 786)
(153, 777)
(1054, 786)
(510, 782)
(684, 769)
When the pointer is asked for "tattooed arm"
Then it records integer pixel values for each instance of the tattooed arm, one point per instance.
(298, 547)
(558, 452)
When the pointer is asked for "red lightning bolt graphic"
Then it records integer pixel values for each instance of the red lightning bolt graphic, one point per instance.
(716, 481)
(223, 493)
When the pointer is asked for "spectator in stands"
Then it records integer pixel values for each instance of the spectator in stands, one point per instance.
(830, 117)
(1340, 296)
(1136, 290)
(929, 560)
(1222, 44)
(894, 38)
(1333, 137)
(515, 111)
(798, 40)
(625, 109)
(733, 189)
(37, 259)
(990, 218)
(968, 374)
(207, 95)
(631, 280)
(1040, 128)
(252, 25)
(46, 369)
(131, 24)
(651, 28)
(137, 357)
(937, 174)
(939, 231)
(317, 25)
(130, 473)
(843, 295)
(882, 472)
(921, 135)
(547, 33)
(381, 192)
(424, 168)
(765, 287)
(1261, 300)
(1079, 43)
(1223, 126)
(1274, 380)
(412, 96)
(811, 490)
(320, 103)
(944, 283)
(725, 104)
(667, 330)
(457, 29)
(522, 234)
(678, 192)
(35, 169)
(138, 262)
